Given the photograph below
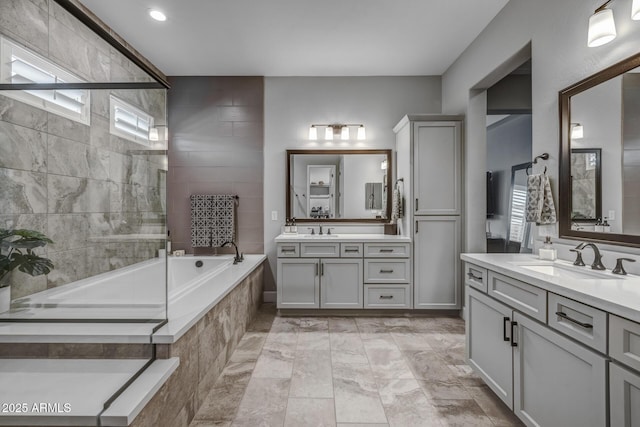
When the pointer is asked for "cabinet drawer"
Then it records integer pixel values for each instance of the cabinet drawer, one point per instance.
(381, 296)
(288, 250)
(519, 295)
(314, 250)
(476, 277)
(351, 250)
(386, 250)
(581, 322)
(624, 341)
(386, 271)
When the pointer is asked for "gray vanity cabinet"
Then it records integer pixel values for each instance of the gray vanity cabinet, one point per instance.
(341, 283)
(489, 349)
(298, 283)
(624, 395)
(556, 382)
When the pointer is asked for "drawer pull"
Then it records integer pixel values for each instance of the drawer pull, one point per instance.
(504, 328)
(386, 271)
(386, 250)
(352, 250)
(289, 250)
(316, 269)
(513, 334)
(474, 277)
(386, 296)
(577, 322)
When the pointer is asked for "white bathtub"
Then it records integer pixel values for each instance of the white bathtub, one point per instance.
(137, 291)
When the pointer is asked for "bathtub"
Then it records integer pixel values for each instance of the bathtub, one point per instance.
(134, 292)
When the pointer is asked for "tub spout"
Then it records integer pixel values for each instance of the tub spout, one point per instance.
(237, 258)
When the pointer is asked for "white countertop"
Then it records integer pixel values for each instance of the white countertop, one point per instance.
(368, 238)
(619, 295)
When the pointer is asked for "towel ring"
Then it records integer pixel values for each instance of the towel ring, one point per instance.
(543, 156)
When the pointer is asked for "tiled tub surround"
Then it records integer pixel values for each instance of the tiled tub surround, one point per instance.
(77, 183)
(205, 325)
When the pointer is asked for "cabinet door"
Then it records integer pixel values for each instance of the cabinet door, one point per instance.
(437, 168)
(341, 284)
(556, 381)
(437, 263)
(489, 350)
(625, 397)
(298, 283)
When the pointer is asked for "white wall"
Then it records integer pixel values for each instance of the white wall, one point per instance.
(292, 104)
(357, 172)
(557, 34)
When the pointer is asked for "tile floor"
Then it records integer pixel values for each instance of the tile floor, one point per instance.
(351, 372)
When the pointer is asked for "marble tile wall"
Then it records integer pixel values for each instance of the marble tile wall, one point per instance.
(216, 133)
(203, 351)
(77, 183)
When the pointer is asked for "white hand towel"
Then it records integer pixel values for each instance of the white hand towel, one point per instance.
(540, 206)
(397, 209)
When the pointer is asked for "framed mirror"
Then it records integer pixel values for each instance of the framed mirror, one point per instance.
(599, 128)
(339, 185)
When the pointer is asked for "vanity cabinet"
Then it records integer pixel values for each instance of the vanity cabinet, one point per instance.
(545, 377)
(298, 283)
(341, 283)
(624, 397)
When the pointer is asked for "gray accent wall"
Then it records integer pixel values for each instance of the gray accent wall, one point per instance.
(83, 187)
(216, 147)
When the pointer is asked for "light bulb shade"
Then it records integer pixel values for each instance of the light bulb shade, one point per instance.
(635, 10)
(361, 133)
(383, 165)
(157, 15)
(313, 133)
(153, 134)
(344, 133)
(328, 133)
(577, 131)
(602, 28)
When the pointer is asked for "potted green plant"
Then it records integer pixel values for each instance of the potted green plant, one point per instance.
(16, 251)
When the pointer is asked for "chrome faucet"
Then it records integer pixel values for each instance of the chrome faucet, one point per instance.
(597, 257)
(238, 258)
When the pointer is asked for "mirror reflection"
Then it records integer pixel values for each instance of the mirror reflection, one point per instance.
(338, 185)
(605, 155)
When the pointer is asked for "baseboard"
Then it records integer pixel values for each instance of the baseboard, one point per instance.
(269, 296)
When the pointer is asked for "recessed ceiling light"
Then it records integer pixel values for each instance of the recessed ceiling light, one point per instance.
(157, 15)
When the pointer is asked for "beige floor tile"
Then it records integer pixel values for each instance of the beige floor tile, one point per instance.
(461, 413)
(413, 341)
(444, 390)
(378, 340)
(221, 404)
(356, 395)
(405, 403)
(428, 366)
(369, 325)
(347, 348)
(495, 409)
(275, 364)
(249, 347)
(310, 412)
(361, 425)
(342, 324)
(264, 403)
(207, 423)
(285, 324)
(388, 363)
(311, 324)
(466, 375)
(312, 375)
(313, 341)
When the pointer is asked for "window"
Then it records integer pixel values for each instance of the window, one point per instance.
(19, 65)
(518, 206)
(129, 122)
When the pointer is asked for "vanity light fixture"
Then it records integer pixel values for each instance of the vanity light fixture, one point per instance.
(157, 15)
(383, 165)
(577, 131)
(635, 10)
(602, 26)
(332, 131)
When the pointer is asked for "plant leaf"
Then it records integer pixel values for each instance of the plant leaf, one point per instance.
(33, 264)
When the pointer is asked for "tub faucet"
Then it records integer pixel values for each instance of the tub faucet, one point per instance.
(597, 258)
(238, 258)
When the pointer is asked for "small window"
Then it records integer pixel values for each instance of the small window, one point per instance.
(19, 65)
(129, 122)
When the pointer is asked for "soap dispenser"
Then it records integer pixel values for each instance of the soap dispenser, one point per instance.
(606, 228)
(547, 251)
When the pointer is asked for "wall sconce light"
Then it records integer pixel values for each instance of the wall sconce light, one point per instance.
(602, 26)
(158, 133)
(383, 165)
(577, 131)
(333, 130)
(635, 10)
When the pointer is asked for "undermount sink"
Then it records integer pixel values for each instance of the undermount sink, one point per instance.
(567, 272)
(319, 236)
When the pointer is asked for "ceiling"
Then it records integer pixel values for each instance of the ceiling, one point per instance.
(300, 37)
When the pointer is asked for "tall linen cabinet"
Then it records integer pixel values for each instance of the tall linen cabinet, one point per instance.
(429, 165)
